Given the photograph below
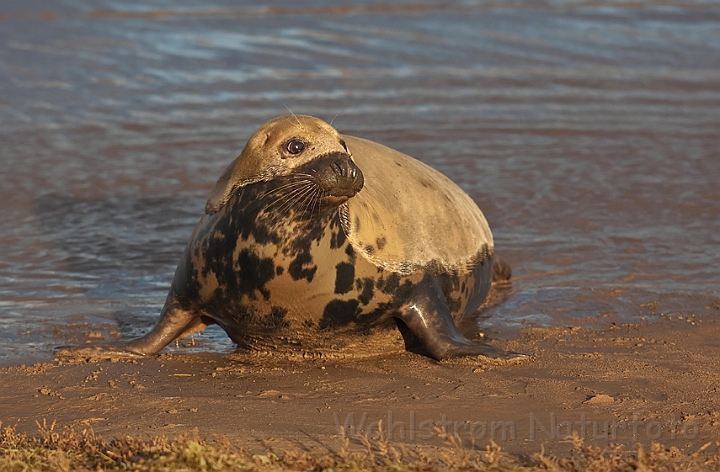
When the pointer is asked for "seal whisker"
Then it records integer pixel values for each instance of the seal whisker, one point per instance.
(298, 182)
(316, 200)
(284, 195)
(293, 197)
(307, 198)
(372, 214)
(282, 188)
(299, 124)
(294, 203)
(281, 197)
(296, 196)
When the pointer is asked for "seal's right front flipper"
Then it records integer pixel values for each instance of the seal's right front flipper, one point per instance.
(174, 323)
(428, 317)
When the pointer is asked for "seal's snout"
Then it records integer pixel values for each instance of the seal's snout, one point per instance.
(349, 178)
(338, 176)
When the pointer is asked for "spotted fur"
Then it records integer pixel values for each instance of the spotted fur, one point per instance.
(280, 252)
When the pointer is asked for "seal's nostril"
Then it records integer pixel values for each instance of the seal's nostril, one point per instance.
(337, 167)
(344, 168)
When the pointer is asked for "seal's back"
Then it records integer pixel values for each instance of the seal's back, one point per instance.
(410, 216)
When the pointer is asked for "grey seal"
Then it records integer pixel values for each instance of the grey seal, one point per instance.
(310, 231)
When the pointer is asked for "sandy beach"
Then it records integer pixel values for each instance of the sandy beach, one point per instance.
(622, 384)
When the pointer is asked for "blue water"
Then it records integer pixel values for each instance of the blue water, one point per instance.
(588, 132)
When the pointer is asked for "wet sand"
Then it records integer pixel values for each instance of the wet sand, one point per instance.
(622, 384)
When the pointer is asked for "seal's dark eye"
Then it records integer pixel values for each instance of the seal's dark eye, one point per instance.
(342, 143)
(295, 146)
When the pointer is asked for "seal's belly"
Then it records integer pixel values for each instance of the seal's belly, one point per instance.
(329, 286)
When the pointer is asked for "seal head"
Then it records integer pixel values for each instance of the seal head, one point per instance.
(301, 145)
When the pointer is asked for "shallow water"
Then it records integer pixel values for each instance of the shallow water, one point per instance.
(588, 132)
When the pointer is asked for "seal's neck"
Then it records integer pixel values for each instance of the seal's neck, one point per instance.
(281, 213)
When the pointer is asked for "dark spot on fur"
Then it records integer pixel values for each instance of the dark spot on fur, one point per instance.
(338, 239)
(350, 251)
(380, 242)
(391, 284)
(275, 319)
(357, 224)
(245, 277)
(191, 289)
(252, 275)
(369, 249)
(339, 313)
(308, 323)
(344, 277)
(402, 295)
(366, 287)
(218, 252)
(240, 301)
(298, 270)
(380, 283)
(453, 286)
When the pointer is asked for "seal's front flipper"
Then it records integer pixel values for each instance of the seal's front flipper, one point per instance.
(174, 323)
(429, 319)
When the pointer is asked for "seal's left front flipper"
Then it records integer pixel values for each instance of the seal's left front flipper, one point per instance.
(428, 317)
